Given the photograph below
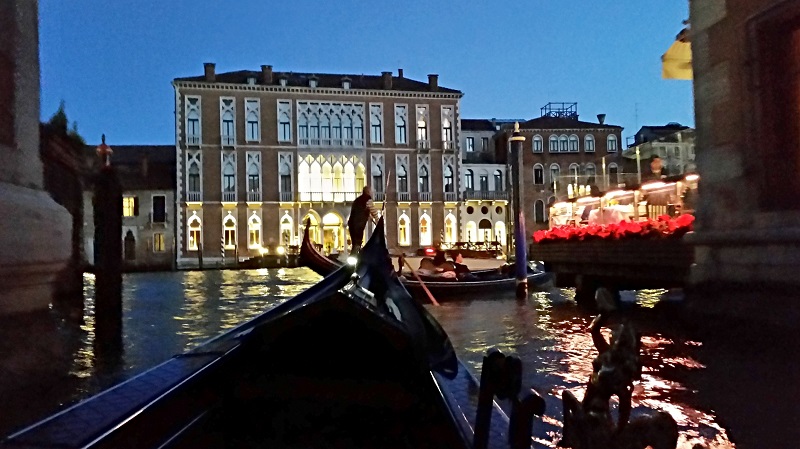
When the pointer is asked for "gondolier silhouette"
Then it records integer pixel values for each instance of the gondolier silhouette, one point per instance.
(361, 212)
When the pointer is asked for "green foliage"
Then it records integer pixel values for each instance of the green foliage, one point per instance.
(59, 121)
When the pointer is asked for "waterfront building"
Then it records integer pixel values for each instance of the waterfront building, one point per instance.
(673, 143)
(485, 185)
(146, 174)
(261, 152)
(562, 157)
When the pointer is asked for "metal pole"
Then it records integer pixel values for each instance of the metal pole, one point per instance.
(520, 252)
(638, 166)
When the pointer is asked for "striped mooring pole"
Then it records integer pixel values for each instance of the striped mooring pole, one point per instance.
(222, 249)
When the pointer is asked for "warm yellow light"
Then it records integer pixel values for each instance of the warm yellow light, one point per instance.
(694, 177)
(614, 193)
(653, 185)
(263, 251)
(587, 199)
(352, 260)
(561, 204)
(281, 250)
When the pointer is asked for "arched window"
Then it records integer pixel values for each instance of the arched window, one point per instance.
(193, 181)
(450, 228)
(500, 232)
(129, 246)
(588, 143)
(590, 171)
(425, 233)
(485, 231)
(472, 231)
(358, 130)
(347, 130)
(498, 181)
(402, 179)
(284, 128)
(563, 143)
(612, 143)
(253, 178)
(538, 174)
(553, 147)
(448, 179)
(336, 129)
(338, 181)
(229, 232)
(613, 174)
(254, 232)
(304, 181)
(483, 180)
(424, 183)
(302, 129)
(574, 171)
(325, 129)
(573, 143)
(403, 237)
(228, 130)
(286, 177)
(193, 228)
(538, 211)
(287, 237)
(327, 182)
(316, 181)
(229, 182)
(469, 180)
(537, 144)
(555, 174)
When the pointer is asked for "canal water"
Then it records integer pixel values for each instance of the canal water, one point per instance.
(171, 312)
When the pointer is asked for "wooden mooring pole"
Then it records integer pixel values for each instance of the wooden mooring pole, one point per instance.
(520, 242)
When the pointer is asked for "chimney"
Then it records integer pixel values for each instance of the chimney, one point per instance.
(433, 82)
(399, 73)
(266, 74)
(210, 75)
(144, 165)
(387, 80)
(601, 118)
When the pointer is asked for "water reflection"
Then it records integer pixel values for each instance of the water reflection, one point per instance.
(168, 313)
(550, 334)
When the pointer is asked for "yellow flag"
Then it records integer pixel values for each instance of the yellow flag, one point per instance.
(676, 63)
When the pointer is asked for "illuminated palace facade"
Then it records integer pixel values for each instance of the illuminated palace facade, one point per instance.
(261, 152)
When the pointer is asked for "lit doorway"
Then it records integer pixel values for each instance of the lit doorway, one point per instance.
(332, 233)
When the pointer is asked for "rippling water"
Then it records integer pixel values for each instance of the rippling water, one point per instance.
(168, 313)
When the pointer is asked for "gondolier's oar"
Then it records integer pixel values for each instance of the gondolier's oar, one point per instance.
(424, 287)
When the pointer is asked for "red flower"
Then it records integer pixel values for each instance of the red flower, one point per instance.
(662, 227)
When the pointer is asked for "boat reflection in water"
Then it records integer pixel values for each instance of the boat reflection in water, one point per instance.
(167, 313)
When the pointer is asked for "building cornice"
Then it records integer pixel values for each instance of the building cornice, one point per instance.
(569, 130)
(318, 91)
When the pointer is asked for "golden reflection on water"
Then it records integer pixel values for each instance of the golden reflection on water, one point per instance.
(552, 338)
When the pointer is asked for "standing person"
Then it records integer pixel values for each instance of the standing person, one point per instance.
(361, 212)
(657, 170)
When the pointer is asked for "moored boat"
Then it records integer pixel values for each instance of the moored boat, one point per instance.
(482, 282)
(351, 362)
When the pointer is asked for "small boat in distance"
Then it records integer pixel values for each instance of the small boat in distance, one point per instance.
(351, 362)
(483, 282)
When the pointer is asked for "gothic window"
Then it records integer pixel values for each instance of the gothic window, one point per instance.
(193, 114)
(228, 119)
(229, 232)
(252, 110)
(403, 237)
(402, 179)
(400, 127)
(538, 175)
(193, 233)
(422, 124)
(424, 184)
(254, 232)
(425, 234)
(375, 122)
(284, 121)
(448, 179)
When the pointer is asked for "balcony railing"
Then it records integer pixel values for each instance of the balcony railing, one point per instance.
(229, 197)
(254, 196)
(485, 195)
(228, 141)
(423, 145)
(403, 196)
(287, 196)
(327, 142)
(448, 145)
(193, 196)
(380, 196)
(450, 196)
(193, 140)
(332, 197)
(424, 196)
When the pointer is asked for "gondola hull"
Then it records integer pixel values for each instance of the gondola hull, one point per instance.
(488, 283)
(351, 362)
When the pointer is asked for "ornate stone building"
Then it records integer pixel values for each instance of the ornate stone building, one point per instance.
(261, 152)
(561, 151)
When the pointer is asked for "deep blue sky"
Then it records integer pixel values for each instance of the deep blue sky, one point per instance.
(112, 62)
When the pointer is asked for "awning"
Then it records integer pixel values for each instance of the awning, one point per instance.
(676, 63)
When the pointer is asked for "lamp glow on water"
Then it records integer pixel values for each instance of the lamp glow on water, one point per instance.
(352, 260)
